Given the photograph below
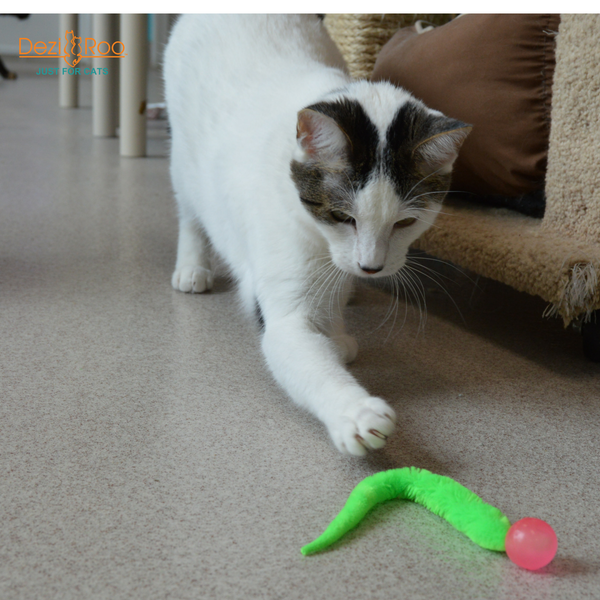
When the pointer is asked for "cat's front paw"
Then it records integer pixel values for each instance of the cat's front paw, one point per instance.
(366, 426)
(193, 279)
(347, 346)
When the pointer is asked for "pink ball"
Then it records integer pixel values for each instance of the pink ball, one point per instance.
(531, 543)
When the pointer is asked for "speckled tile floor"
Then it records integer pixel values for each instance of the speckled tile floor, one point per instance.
(146, 452)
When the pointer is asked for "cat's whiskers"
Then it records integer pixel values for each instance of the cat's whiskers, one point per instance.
(397, 295)
(325, 279)
(337, 289)
(422, 180)
(430, 193)
(332, 295)
(406, 288)
(411, 286)
(417, 260)
(395, 283)
(320, 268)
(326, 271)
(413, 261)
(341, 289)
(393, 301)
(420, 291)
(428, 223)
(323, 273)
(393, 307)
(438, 212)
(424, 273)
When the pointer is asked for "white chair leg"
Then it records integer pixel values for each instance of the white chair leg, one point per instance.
(133, 79)
(68, 83)
(105, 87)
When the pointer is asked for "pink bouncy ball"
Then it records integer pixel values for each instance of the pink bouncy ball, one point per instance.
(531, 543)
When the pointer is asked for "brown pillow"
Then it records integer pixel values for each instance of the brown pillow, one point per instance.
(494, 72)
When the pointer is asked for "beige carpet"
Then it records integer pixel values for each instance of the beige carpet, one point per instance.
(146, 453)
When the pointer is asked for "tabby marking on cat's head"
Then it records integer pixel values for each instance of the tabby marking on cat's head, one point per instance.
(372, 167)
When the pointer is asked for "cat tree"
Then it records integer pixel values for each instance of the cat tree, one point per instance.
(557, 257)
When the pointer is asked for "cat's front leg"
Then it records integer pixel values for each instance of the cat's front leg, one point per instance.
(336, 329)
(307, 364)
(346, 344)
(193, 269)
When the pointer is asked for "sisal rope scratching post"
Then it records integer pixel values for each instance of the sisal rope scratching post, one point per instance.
(558, 257)
(573, 177)
(573, 180)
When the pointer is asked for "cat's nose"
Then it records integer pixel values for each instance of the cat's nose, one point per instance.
(371, 270)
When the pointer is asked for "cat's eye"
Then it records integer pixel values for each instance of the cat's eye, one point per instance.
(342, 217)
(404, 223)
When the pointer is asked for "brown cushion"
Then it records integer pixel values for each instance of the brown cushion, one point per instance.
(494, 72)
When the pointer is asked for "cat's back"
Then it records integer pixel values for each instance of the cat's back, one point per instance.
(218, 61)
(249, 43)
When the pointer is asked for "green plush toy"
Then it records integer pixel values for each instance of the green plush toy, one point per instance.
(481, 522)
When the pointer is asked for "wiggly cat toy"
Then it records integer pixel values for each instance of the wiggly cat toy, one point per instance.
(529, 543)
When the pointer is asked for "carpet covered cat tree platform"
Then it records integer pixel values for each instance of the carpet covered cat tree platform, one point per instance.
(556, 257)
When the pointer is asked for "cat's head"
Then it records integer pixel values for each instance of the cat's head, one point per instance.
(372, 167)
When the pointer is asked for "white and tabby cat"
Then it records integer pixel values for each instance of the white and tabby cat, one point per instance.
(301, 179)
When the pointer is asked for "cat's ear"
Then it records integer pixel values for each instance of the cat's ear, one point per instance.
(319, 137)
(437, 153)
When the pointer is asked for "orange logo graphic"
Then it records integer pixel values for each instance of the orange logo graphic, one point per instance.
(73, 49)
